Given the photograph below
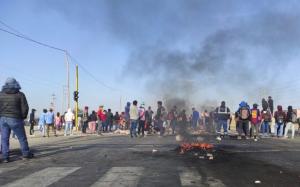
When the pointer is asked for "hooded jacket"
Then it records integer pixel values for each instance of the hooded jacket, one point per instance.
(289, 115)
(280, 116)
(13, 103)
(69, 116)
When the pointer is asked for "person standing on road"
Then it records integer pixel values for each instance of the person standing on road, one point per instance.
(222, 114)
(173, 119)
(142, 119)
(134, 117)
(101, 120)
(280, 118)
(271, 104)
(117, 120)
(148, 117)
(195, 118)
(13, 112)
(109, 120)
(85, 119)
(291, 121)
(243, 118)
(69, 117)
(127, 115)
(255, 121)
(50, 122)
(57, 121)
(32, 121)
(266, 120)
(160, 118)
(92, 122)
(42, 122)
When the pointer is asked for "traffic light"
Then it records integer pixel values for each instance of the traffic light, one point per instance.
(76, 96)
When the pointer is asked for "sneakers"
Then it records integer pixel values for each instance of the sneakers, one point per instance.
(255, 139)
(6, 160)
(29, 156)
(219, 138)
(239, 137)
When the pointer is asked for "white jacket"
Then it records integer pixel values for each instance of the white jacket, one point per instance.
(69, 116)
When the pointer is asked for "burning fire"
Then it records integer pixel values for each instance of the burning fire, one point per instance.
(184, 147)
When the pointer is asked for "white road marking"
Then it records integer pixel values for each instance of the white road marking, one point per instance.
(44, 177)
(120, 177)
(189, 177)
(212, 182)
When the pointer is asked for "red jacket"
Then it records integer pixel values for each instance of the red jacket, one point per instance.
(101, 115)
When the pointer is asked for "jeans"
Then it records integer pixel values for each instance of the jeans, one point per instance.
(279, 129)
(104, 126)
(68, 127)
(31, 131)
(265, 127)
(133, 128)
(194, 124)
(52, 128)
(255, 129)
(173, 126)
(17, 126)
(141, 127)
(160, 125)
(84, 126)
(244, 127)
(222, 123)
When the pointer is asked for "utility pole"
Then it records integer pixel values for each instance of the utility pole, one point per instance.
(68, 80)
(52, 103)
(64, 96)
(76, 106)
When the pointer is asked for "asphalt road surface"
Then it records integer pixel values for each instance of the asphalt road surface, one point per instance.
(152, 161)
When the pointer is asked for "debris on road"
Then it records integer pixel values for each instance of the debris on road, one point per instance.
(257, 182)
(154, 150)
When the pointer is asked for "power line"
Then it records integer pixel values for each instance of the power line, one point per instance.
(20, 35)
(90, 74)
(31, 40)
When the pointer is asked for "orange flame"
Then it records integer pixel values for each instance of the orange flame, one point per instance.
(190, 146)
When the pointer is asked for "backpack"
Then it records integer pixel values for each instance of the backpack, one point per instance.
(254, 116)
(244, 113)
(294, 117)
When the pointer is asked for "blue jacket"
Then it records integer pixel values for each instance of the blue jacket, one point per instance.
(42, 119)
(49, 118)
(195, 116)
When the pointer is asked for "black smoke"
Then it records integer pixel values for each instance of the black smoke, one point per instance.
(197, 51)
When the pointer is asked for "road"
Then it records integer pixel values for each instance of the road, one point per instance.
(121, 161)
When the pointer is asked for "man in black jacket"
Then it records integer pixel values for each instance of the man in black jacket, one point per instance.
(32, 121)
(13, 111)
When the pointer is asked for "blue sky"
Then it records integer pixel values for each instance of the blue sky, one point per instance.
(104, 36)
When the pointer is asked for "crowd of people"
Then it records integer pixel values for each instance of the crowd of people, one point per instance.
(250, 122)
(255, 123)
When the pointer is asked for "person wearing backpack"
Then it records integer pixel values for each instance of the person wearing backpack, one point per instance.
(222, 116)
(291, 120)
(255, 121)
(243, 116)
(266, 120)
(280, 118)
